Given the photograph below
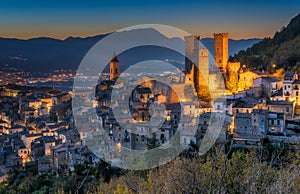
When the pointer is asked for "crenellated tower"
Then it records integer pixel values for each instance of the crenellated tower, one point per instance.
(221, 50)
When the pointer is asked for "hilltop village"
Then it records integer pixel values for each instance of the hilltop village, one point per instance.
(37, 126)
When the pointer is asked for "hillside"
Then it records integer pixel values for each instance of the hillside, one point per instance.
(283, 49)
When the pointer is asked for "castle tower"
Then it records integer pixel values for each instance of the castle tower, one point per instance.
(114, 67)
(203, 67)
(191, 52)
(221, 50)
(190, 77)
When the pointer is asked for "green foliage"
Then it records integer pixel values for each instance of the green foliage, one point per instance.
(244, 171)
(153, 142)
(283, 50)
(27, 183)
(121, 190)
(232, 81)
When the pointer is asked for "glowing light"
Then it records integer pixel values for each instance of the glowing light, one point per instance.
(119, 146)
(168, 118)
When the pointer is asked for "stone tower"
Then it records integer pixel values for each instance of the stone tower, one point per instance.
(203, 66)
(196, 63)
(221, 50)
(114, 67)
(203, 62)
(191, 52)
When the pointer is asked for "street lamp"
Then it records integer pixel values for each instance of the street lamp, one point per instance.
(274, 67)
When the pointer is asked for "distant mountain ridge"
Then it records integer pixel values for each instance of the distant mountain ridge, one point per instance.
(46, 54)
(234, 45)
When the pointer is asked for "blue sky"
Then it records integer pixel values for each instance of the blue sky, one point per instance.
(60, 19)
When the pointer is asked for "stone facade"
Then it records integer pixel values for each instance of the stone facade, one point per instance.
(221, 50)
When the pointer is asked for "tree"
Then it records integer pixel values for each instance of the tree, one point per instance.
(153, 142)
(232, 81)
(122, 190)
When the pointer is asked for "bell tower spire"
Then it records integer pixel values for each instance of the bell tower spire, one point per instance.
(114, 67)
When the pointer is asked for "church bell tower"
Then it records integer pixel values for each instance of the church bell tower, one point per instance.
(114, 67)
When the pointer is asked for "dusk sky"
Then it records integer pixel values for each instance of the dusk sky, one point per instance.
(242, 19)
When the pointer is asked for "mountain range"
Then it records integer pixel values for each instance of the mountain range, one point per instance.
(47, 54)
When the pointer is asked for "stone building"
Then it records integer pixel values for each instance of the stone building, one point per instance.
(246, 80)
(259, 120)
(221, 50)
(276, 122)
(289, 78)
(243, 124)
(281, 106)
(296, 91)
(268, 85)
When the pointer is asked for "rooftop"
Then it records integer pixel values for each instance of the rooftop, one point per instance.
(260, 111)
(279, 102)
(246, 103)
(243, 115)
(289, 74)
(115, 58)
(296, 81)
(141, 90)
(278, 93)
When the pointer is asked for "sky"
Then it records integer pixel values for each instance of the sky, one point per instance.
(61, 19)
